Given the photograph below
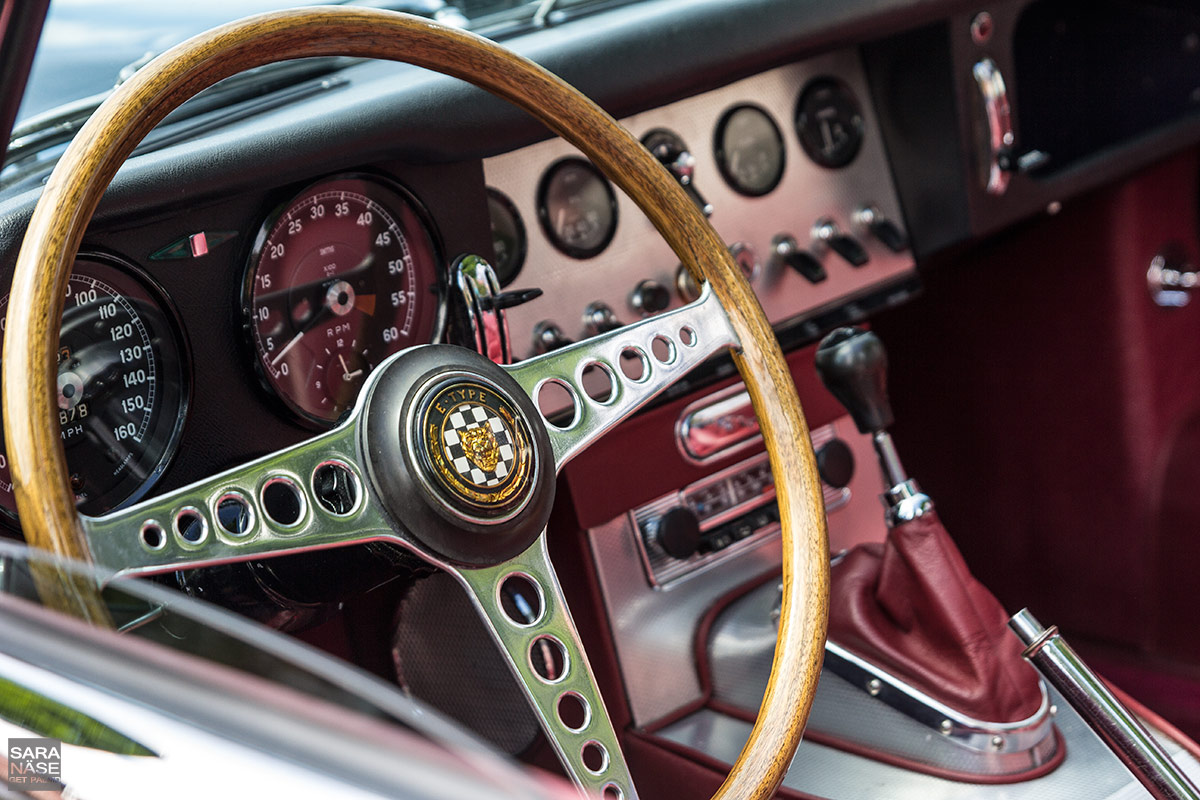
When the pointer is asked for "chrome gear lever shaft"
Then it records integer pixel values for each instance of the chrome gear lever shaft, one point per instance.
(852, 363)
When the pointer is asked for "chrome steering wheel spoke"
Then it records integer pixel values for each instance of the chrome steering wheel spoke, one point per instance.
(522, 605)
(667, 346)
(306, 497)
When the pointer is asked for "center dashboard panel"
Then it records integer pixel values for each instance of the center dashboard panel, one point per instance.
(790, 165)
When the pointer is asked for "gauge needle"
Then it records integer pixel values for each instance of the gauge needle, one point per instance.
(365, 303)
(286, 347)
(347, 375)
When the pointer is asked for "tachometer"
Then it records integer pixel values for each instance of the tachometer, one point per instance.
(122, 391)
(342, 278)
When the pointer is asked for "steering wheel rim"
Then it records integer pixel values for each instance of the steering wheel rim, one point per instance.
(36, 455)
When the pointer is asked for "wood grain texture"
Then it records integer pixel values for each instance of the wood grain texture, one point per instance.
(74, 189)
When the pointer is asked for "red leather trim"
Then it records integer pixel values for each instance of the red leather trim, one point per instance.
(1052, 409)
(573, 562)
(912, 606)
(678, 714)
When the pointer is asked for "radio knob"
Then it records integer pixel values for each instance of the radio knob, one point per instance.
(678, 532)
(835, 463)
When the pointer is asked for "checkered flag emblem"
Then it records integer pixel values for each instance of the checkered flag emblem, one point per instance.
(470, 422)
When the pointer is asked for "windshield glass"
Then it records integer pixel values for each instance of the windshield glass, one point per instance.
(88, 47)
(86, 44)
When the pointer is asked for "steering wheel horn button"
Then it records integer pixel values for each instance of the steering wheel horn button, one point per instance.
(475, 448)
(457, 455)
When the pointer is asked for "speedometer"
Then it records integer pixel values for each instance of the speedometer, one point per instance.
(122, 390)
(341, 278)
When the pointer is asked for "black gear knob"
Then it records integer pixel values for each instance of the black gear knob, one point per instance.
(853, 366)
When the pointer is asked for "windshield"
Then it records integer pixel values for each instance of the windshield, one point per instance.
(86, 44)
(88, 47)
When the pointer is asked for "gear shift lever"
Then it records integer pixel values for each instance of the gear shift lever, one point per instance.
(852, 364)
(909, 604)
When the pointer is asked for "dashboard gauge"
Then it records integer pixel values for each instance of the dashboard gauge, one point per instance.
(577, 208)
(749, 150)
(341, 278)
(508, 237)
(829, 122)
(122, 386)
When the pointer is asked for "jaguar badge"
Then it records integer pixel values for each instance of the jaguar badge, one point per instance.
(477, 446)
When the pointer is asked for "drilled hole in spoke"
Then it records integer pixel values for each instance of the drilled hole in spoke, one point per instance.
(233, 514)
(687, 336)
(595, 757)
(634, 364)
(558, 404)
(335, 488)
(190, 525)
(153, 536)
(574, 712)
(663, 349)
(598, 382)
(548, 658)
(612, 792)
(282, 502)
(520, 600)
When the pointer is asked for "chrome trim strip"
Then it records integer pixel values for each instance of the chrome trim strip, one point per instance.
(979, 735)
(994, 96)
(717, 426)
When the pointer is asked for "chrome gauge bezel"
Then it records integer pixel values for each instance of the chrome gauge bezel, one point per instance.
(547, 224)
(857, 130)
(434, 316)
(507, 273)
(174, 323)
(722, 157)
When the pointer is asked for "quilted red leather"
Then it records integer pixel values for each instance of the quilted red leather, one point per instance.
(911, 606)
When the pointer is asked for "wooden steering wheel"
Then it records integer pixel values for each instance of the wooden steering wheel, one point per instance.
(404, 491)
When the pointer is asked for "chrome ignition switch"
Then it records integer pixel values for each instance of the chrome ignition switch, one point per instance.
(670, 150)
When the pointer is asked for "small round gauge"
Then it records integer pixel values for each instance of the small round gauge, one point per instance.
(122, 381)
(508, 236)
(341, 278)
(577, 208)
(749, 150)
(829, 122)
